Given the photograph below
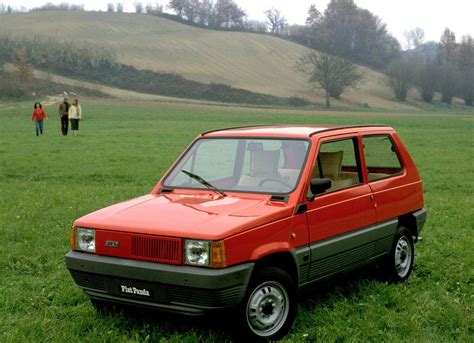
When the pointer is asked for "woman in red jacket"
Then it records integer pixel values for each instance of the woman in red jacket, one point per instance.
(37, 117)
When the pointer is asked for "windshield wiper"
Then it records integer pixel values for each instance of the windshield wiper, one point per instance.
(203, 182)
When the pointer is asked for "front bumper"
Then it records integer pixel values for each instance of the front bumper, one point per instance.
(182, 289)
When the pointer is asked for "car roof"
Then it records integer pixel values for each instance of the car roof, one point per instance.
(293, 131)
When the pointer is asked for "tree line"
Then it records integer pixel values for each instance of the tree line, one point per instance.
(450, 71)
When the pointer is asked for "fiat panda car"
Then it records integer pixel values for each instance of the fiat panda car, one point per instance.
(247, 218)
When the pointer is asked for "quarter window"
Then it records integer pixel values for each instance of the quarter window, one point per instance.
(381, 157)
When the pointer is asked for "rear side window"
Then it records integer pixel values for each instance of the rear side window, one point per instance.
(381, 157)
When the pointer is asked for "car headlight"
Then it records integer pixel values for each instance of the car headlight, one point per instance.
(85, 240)
(197, 253)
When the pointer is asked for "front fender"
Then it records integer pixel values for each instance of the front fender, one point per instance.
(270, 248)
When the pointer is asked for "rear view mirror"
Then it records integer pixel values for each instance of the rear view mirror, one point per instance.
(319, 186)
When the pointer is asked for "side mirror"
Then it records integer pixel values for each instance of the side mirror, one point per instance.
(319, 186)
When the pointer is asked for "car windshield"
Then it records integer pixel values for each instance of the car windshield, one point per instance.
(255, 165)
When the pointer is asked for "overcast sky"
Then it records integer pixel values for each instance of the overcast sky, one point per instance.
(400, 15)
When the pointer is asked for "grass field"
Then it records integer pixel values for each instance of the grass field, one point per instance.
(256, 62)
(121, 152)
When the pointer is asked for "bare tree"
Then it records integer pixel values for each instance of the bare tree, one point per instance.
(426, 78)
(154, 10)
(448, 82)
(275, 20)
(22, 67)
(400, 78)
(467, 87)
(256, 26)
(138, 7)
(110, 7)
(415, 38)
(205, 12)
(119, 7)
(178, 6)
(331, 73)
(465, 61)
(191, 10)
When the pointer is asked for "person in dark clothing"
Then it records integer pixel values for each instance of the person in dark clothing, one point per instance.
(63, 114)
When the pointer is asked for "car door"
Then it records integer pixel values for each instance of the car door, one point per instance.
(341, 219)
(387, 178)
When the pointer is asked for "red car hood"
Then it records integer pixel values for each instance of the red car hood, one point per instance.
(188, 216)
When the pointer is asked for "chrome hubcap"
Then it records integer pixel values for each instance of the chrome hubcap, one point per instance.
(267, 308)
(403, 256)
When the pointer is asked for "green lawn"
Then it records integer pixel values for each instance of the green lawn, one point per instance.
(121, 152)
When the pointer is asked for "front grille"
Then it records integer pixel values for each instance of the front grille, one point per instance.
(205, 297)
(157, 249)
(90, 281)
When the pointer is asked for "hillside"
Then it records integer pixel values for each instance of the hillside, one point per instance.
(259, 63)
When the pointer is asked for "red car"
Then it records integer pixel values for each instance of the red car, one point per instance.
(249, 217)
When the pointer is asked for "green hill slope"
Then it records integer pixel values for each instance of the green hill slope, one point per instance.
(255, 62)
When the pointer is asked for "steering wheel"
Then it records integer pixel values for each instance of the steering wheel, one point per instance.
(284, 183)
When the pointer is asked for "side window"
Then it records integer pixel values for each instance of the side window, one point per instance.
(339, 162)
(381, 157)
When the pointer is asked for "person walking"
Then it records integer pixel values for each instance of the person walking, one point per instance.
(75, 114)
(38, 116)
(63, 114)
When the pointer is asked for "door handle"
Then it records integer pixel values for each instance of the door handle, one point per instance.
(372, 197)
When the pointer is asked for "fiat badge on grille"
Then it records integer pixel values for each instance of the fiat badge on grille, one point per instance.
(112, 244)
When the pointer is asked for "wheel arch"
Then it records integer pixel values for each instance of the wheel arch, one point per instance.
(284, 260)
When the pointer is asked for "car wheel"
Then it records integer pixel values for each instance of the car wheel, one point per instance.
(400, 261)
(269, 307)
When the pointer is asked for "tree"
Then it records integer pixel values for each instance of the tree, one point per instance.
(227, 14)
(415, 38)
(448, 82)
(178, 6)
(256, 26)
(138, 7)
(400, 78)
(331, 73)
(465, 61)
(314, 16)
(110, 7)
(119, 7)
(154, 10)
(447, 47)
(275, 20)
(22, 67)
(426, 78)
(348, 31)
(191, 10)
(205, 12)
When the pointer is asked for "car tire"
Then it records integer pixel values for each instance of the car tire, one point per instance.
(269, 307)
(399, 263)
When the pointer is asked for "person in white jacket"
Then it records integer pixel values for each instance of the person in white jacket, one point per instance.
(75, 114)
